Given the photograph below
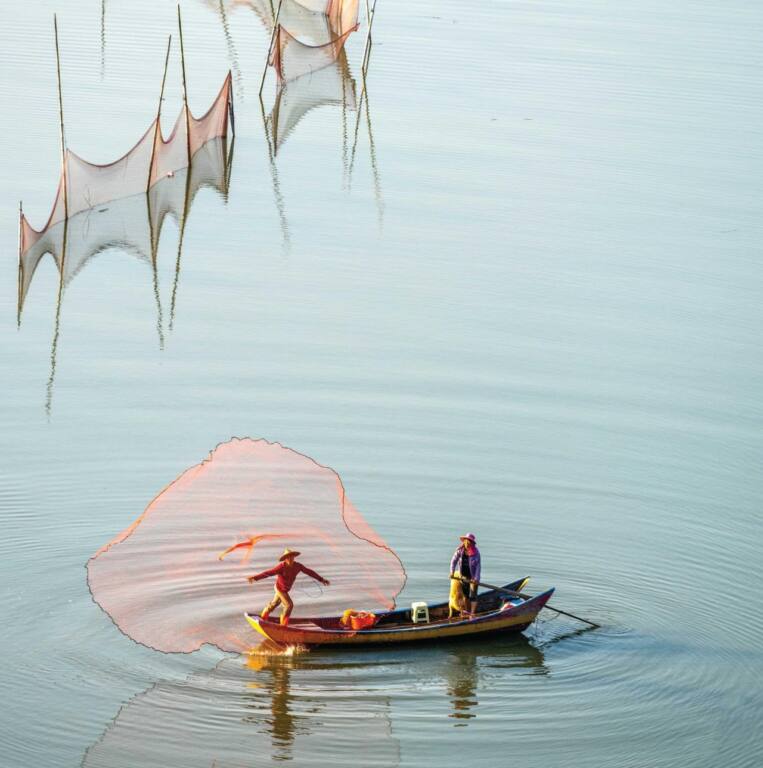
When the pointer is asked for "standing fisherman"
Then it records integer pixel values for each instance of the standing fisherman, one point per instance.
(286, 573)
(466, 566)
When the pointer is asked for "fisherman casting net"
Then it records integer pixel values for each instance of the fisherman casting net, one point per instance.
(176, 578)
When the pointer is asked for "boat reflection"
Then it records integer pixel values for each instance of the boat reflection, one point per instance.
(346, 699)
(467, 669)
(283, 725)
(461, 678)
(318, 708)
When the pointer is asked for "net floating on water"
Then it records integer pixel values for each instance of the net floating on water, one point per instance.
(176, 578)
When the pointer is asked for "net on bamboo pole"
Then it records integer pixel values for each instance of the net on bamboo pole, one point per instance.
(109, 205)
(315, 22)
(293, 59)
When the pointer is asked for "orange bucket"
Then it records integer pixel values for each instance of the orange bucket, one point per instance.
(361, 620)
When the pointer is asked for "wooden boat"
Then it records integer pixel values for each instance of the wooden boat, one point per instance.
(496, 612)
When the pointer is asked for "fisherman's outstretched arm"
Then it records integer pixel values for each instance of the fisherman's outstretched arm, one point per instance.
(270, 572)
(313, 575)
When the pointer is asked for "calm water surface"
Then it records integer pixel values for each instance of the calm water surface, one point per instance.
(517, 292)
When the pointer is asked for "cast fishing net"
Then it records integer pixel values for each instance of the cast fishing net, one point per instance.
(176, 578)
(76, 227)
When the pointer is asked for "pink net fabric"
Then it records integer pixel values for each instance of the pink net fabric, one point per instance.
(175, 579)
(314, 22)
(343, 16)
(293, 59)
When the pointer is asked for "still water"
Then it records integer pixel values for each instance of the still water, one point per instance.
(515, 289)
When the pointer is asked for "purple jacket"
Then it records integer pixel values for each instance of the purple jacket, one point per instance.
(474, 563)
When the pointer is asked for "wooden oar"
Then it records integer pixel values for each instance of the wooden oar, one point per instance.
(527, 597)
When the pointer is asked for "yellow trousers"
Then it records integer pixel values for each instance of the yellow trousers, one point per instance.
(282, 599)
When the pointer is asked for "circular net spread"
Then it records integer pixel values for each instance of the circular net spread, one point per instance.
(176, 578)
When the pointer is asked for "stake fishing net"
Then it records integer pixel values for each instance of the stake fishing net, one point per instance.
(314, 22)
(331, 85)
(132, 224)
(176, 578)
(86, 191)
(292, 58)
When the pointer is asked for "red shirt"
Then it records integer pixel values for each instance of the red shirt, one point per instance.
(287, 574)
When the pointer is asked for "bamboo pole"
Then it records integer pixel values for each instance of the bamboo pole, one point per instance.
(153, 238)
(157, 127)
(344, 115)
(57, 326)
(228, 166)
(181, 237)
(231, 112)
(103, 38)
(154, 247)
(270, 49)
(61, 121)
(374, 165)
(528, 597)
(185, 91)
(21, 266)
(359, 110)
(277, 196)
(232, 54)
(367, 51)
(62, 264)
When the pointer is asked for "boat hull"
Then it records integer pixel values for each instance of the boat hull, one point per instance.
(392, 628)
